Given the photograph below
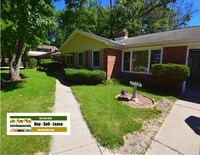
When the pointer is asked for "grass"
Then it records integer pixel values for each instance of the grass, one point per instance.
(35, 93)
(155, 94)
(109, 120)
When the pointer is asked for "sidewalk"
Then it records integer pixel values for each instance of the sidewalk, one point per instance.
(180, 132)
(80, 141)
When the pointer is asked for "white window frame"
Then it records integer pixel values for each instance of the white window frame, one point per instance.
(161, 58)
(68, 61)
(149, 60)
(130, 65)
(96, 67)
(78, 59)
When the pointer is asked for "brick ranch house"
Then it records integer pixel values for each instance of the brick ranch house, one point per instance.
(132, 57)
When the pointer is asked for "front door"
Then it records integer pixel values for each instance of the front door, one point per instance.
(193, 82)
(194, 63)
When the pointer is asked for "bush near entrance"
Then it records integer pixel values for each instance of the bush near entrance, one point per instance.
(49, 65)
(171, 75)
(85, 76)
(32, 63)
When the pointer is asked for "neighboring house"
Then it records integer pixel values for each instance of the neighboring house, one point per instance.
(43, 52)
(132, 57)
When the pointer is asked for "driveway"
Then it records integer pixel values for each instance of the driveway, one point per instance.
(180, 132)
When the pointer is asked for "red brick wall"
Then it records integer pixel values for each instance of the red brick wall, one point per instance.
(170, 55)
(112, 62)
(148, 79)
(174, 54)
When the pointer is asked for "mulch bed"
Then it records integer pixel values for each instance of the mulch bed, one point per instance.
(137, 143)
(142, 101)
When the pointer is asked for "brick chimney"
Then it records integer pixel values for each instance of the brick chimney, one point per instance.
(121, 34)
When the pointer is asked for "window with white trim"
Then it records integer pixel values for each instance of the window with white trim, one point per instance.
(155, 57)
(126, 65)
(69, 60)
(140, 61)
(96, 58)
(80, 59)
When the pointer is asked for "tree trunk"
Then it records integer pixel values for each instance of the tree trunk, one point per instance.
(24, 60)
(16, 60)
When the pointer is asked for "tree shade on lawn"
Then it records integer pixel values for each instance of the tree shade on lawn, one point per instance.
(34, 94)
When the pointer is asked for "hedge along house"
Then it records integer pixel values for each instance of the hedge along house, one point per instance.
(131, 58)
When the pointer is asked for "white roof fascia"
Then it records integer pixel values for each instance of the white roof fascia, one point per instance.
(161, 43)
(56, 53)
(37, 53)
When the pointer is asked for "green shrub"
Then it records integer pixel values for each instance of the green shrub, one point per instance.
(85, 76)
(49, 65)
(32, 62)
(112, 82)
(171, 75)
(45, 60)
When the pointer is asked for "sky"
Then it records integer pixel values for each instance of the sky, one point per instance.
(195, 20)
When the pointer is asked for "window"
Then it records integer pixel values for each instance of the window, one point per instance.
(155, 57)
(96, 58)
(80, 59)
(69, 60)
(140, 61)
(127, 61)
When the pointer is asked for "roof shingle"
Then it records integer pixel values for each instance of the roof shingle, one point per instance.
(167, 36)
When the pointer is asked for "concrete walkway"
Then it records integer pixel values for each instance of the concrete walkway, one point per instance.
(180, 132)
(80, 141)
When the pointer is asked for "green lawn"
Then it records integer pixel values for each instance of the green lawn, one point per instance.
(35, 94)
(108, 119)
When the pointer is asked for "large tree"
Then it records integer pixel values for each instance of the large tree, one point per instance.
(137, 16)
(181, 13)
(77, 14)
(25, 24)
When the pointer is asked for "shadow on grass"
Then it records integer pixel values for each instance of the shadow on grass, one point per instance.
(10, 86)
(146, 88)
(55, 74)
(160, 92)
(6, 76)
(59, 75)
(7, 85)
(151, 89)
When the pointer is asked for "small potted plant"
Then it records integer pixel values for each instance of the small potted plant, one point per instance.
(123, 92)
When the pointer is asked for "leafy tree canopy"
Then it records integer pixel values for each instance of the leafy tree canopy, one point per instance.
(25, 24)
(137, 16)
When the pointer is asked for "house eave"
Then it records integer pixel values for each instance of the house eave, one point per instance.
(161, 43)
(107, 42)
